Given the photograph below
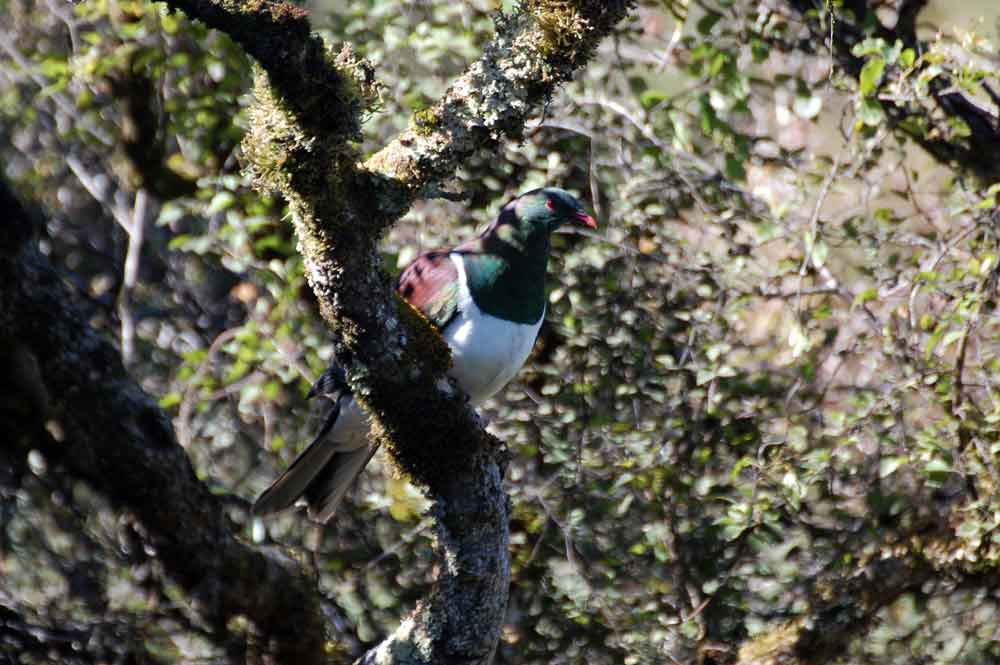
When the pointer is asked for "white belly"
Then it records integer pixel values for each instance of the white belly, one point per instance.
(486, 352)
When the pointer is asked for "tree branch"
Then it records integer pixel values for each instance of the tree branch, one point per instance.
(532, 54)
(856, 20)
(304, 127)
(103, 428)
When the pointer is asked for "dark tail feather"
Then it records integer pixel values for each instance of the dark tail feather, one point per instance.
(322, 474)
(327, 490)
(293, 483)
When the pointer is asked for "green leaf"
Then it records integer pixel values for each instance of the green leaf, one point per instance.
(933, 341)
(734, 167)
(938, 465)
(717, 63)
(870, 112)
(807, 107)
(868, 47)
(170, 400)
(819, 253)
(866, 296)
(221, 201)
(888, 465)
(53, 67)
(871, 75)
(969, 529)
(652, 97)
(179, 241)
(707, 22)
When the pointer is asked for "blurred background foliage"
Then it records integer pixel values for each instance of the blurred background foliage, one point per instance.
(762, 409)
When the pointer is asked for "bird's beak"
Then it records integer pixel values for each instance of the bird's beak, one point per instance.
(586, 220)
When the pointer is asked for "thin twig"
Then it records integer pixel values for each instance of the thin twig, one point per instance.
(101, 190)
(130, 276)
(187, 403)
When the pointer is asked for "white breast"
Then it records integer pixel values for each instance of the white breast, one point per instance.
(486, 351)
(486, 354)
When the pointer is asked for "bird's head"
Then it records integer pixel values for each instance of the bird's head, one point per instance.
(545, 210)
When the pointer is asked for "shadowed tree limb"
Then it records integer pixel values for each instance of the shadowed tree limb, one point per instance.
(72, 399)
(71, 642)
(304, 127)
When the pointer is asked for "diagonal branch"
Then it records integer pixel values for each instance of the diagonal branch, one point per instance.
(533, 53)
(87, 416)
(304, 126)
(857, 19)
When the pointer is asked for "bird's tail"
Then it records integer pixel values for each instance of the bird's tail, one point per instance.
(323, 473)
(327, 489)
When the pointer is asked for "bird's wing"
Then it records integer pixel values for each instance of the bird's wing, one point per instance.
(430, 284)
(332, 384)
(323, 472)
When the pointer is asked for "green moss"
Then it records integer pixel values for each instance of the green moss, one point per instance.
(294, 148)
(771, 647)
(426, 121)
(359, 75)
(409, 450)
(301, 152)
(561, 26)
(425, 340)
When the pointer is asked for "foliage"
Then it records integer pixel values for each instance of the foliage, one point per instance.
(761, 419)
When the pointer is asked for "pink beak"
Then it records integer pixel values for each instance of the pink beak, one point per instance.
(586, 220)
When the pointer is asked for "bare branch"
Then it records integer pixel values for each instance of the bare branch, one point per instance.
(130, 274)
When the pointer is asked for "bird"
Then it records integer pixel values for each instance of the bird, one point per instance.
(486, 297)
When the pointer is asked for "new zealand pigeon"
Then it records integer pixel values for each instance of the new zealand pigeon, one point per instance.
(486, 297)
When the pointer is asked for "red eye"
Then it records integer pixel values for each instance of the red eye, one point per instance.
(550, 204)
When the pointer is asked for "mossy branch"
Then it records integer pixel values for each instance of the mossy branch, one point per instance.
(304, 126)
(534, 51)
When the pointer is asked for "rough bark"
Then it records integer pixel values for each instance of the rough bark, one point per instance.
(70, 397)
(304, 125)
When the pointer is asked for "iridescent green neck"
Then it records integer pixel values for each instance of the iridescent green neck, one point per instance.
(506, 276)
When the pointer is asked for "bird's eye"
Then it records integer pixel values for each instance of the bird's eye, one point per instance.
(550, 204)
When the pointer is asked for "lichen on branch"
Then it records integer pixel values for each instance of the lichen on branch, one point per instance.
(535, 50)
(302, 142)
